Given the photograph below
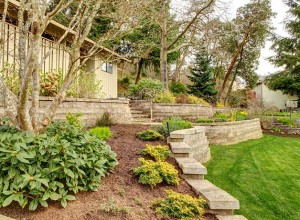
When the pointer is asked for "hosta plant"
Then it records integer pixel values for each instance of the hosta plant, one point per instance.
(35, 169)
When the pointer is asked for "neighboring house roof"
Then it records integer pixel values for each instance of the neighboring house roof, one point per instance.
(56, 29)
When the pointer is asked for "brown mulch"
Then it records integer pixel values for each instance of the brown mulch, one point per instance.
(121, 189)
(279, 134)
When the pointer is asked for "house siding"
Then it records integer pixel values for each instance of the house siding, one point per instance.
(57, 60)
(274, 98)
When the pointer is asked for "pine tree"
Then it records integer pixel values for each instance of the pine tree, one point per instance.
(287, 54)
(201, 77)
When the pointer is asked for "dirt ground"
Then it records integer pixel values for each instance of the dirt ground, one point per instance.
(120, 193)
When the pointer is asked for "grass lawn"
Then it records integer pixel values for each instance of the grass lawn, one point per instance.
(263, 174)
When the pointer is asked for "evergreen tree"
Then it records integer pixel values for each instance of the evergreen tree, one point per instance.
(201, 76)
(287, 54)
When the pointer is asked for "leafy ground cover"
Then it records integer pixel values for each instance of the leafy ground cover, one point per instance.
(120, 196)
(263, 174)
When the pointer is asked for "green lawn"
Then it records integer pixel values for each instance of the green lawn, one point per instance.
(263, 174)
(285, 115)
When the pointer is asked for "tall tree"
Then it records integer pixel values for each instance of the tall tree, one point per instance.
(202, 78)
(199, 8)
(253, 25)
(287, 54)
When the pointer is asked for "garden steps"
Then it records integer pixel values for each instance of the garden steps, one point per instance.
(191, 166)
(219, 201)
(231, 217)
(2, 217)
(180, 148)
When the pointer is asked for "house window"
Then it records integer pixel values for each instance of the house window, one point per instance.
(107, 67)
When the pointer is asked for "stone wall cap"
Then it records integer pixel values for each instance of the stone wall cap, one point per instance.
(227, 123)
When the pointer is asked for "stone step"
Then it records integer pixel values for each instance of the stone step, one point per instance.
(191, 166)
(219, 201)
(180, 148)
(231, 217)
(140, 116)
(2, 217)
(133, 111)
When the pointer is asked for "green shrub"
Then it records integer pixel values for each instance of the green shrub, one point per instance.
(152, 173)
(177, 88)
(220, 115)
(159, 152)
(146, 88)
(101, 132)
(74, 119)
(149, 135)
(287, 121)
(165, 97)
(181, 206)
(220, 120)
(63, 161)
(205, 120)
(175, 123)
(105, 120)
(238, 116)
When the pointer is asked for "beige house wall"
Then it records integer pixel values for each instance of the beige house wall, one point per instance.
(274, 98)
(57, 60)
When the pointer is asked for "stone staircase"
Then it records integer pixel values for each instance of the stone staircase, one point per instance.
(286, 128)
(190, 146)
(138, 117)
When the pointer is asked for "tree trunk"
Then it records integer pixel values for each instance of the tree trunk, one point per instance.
(180, 63)
(233, 61)
(163, 45)
(230, 88)
(139, 70)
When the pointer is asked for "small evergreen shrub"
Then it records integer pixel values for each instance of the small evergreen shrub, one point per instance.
(175, 123)
(177, 88)
(159, 152)
(181, 206)
(105, 120)
(101, 132)
(149, 135)
(37, 169)
(220, 120)
(152, 173)
(146, 88)
(165, 97)
(205, 120)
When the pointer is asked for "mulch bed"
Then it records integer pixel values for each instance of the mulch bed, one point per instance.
(121, 189)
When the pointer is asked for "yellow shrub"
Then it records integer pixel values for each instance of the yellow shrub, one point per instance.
(159, 152)
(220, 105)
(152, 173)
(195, 100)
(181, 206)
(165, 97)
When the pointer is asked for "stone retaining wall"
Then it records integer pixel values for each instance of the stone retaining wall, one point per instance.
(92, 109)
(196, 142)
(228, 133)
(186, 111)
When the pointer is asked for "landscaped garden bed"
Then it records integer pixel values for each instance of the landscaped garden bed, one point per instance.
(120, 195)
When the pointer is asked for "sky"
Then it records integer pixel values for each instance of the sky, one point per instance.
(280, 8)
